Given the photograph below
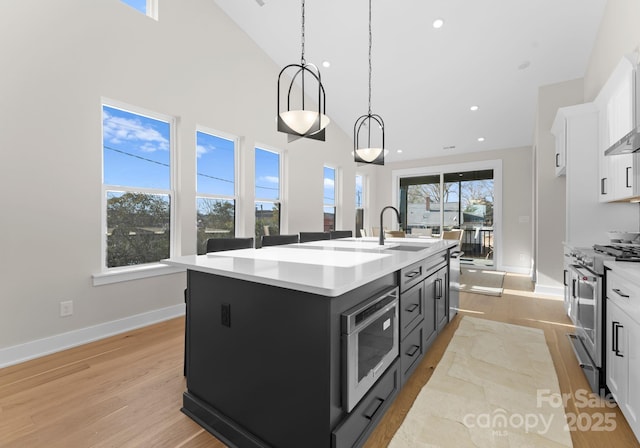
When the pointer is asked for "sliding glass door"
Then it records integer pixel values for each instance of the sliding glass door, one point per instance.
(436, 204)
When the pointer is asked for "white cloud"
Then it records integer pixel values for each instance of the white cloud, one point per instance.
(119, 129)
(202, 150)
(270, 179)
(329, 183)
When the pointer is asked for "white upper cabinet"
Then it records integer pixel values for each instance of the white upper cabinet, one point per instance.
(618, 174)
(559, 131)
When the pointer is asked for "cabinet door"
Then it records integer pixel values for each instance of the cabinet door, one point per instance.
(430, 329)
(616, 361)
(561, 149)
(441, 298)
(632, 354)
(622, 176)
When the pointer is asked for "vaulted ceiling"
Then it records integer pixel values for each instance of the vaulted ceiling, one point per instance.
(493, 54)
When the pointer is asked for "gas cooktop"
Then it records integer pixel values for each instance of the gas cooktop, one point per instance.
(621, 252)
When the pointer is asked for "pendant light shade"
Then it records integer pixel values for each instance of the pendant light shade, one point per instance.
(295, 118)
(368, 132)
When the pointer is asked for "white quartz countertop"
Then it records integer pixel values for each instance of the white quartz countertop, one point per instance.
(329, 268)
(627, 269)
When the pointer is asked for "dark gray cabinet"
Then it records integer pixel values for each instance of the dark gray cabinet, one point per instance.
(265, 364)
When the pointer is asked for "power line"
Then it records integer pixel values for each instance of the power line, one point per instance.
(167, 165)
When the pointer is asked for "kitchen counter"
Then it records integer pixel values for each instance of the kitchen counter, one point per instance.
(266, 354)
(329, 268)
(626, 269)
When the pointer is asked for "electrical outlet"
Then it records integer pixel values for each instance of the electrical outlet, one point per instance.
(522, 258)
(225, 314)
(66, 308)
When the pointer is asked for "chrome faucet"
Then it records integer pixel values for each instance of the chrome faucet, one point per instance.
(382, 228)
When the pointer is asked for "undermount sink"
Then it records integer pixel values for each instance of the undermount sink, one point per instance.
(406, 248)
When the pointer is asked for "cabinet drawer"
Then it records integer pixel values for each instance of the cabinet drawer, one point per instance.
(411, 351)
(355, 428)
(411, 275)
(624, 293)
(411, 309)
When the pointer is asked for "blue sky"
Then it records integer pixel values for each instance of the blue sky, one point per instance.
(140, 5)
(137, 154)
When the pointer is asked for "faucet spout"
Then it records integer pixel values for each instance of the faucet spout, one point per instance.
(381, 240)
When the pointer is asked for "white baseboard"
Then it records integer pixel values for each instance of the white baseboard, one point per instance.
(516, 270)
(45, 346)
(549, 290)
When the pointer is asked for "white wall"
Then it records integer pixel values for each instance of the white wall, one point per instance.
(58, 60)
(517, 197)
(551, 190)
(617, 36)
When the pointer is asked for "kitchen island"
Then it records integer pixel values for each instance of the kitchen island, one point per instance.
(266, 353)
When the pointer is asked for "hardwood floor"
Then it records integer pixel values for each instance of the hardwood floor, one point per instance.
(126, 391)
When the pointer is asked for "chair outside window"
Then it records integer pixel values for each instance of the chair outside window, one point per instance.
(306, 237)
(334, 234)
(278, 240)
(455, 234)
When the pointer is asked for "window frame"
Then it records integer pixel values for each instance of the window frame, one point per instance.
(363, 201)
(151, 8)
(281, 186)
(236, 173)
(335, 196)
(123, 273)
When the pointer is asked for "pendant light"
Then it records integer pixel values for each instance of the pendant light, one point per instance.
(302, 121)
(372, 151)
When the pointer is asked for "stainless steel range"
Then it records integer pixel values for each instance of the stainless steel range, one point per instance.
(586, 305)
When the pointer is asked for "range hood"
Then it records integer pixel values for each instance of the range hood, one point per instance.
(627, 144)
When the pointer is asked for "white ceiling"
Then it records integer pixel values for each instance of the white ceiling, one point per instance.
(425, 79)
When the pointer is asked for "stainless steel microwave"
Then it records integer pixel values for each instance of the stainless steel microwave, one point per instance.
(370, 344)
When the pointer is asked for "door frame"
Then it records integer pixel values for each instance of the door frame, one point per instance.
(495, 165)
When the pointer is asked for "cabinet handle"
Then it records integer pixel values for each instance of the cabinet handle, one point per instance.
(620, 293)
(614, 343)
(371, 410)
(617, 327)
(412, 308)
(573, 288)
(557, 162)
(438, 286)
(412, 274)
(564, 277)
(413, 350)
(627, 174)
(602, 185)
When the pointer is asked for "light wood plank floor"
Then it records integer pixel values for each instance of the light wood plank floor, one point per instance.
(126, 391)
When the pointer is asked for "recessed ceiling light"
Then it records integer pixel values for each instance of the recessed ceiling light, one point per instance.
(399, 151)
(438, 23)
(326, 64)
(474, 108)
(480, 139)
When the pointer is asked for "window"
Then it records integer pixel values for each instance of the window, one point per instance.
(329, 199)
(267, 194)
(216, 192)
(359, 203)
(147, 7)
(137, 186)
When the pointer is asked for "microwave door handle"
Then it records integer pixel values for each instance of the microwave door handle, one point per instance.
(376, 315)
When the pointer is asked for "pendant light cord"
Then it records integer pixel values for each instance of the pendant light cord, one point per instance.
(303, 62)
(370, 39)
